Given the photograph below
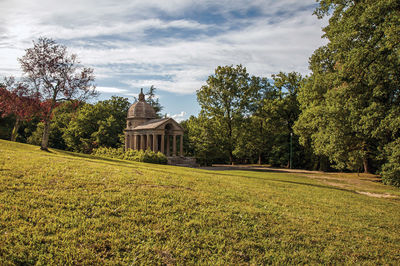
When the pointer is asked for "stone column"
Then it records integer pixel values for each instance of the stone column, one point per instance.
(131, 141)
(142, 142)
(134, 142)
(155, 144)
(181, 146)
(126, 141)
(174, 145)
(168, 148)
(162, 143)
(148, 145)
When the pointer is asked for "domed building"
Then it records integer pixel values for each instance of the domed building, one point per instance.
(145, 131)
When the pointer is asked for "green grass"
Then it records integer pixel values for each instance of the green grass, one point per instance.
(67, 208)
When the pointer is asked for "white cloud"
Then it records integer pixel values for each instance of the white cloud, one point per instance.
(178, 117)
(266, 44)
(111, 90)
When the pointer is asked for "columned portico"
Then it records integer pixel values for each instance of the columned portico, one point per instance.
(144, 130)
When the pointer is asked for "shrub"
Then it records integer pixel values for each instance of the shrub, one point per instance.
(391, 169)
(147, 156)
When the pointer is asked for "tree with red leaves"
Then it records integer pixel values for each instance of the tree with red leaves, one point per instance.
(55, 76)
(16, 100)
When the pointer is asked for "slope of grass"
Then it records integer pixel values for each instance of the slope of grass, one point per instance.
(66, 208)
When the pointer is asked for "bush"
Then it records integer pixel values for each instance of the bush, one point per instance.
(391, 170)
(147, 156)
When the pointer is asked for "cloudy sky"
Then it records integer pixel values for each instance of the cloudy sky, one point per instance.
(174, 45)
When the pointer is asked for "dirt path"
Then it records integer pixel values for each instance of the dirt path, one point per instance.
(365, 184)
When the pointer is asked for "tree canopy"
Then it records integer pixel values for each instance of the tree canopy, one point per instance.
(54, 75)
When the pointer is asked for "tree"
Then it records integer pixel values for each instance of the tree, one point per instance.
(154, 101)
(281, 110)
(62, 115)
(55, 76)
(98, 125)
(14, 100)
(224, 99)
(255, 134)
(353, 93)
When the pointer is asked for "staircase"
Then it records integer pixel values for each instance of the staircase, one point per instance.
(182, 161)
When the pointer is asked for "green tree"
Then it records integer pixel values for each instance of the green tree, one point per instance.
(281, 111)
(224, 100)
(353, 92)
(255, 136)
(63, 114)
(97, 125)
(154, 101)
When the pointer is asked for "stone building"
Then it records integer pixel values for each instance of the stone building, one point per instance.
(145, 131)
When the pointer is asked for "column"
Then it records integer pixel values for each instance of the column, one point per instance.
(134, 142)
(148, 141)
(168, 148)
(142, 142)
(131, 141)
(162, 143)
(126, 141)
(181, 146)
(174, 145)
(155, 144)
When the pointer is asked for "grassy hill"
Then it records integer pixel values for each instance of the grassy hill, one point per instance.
(67, 208)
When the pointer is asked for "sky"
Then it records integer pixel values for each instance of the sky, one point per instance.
(174, 45)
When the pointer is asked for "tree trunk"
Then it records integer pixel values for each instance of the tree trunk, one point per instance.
(14, 132)
(259, 158)
(231, 158)
(45, 138)
(366, 165)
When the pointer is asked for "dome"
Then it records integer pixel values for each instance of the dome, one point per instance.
(141, 109)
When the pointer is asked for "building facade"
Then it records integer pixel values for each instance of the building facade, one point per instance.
(145, 131)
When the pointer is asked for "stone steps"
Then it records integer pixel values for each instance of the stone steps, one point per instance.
(182, 161)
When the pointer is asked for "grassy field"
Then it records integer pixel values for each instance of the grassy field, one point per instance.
(67, 208)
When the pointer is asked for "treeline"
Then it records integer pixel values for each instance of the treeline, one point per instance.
(75, 126)
(345, 115)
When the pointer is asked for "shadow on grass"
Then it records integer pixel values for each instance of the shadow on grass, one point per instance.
(111, 161)
(268, 179)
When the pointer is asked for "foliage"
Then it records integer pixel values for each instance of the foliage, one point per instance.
(391, 169)
(97, 125)
(202, 140)
(224, 99)
(147, 156)
(63, 208)
(354, 87)
(154, 101)
(54, 75)
(63, 114)
(15, 100)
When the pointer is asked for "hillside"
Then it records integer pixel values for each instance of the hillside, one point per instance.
(67, 208)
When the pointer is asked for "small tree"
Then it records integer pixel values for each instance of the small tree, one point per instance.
(14, 100)
(55, 76)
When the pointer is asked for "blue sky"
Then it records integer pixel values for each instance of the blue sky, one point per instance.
(174, 45)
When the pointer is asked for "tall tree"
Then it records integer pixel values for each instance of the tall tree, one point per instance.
(255, 132)
(56, 76)
(354, 90)
(224, 99)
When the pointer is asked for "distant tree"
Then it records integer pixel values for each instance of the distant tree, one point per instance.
(154, 101)
(224, 100)
(56, 76)
(62, 115)
(15, 100)
(255, 134)
(98, 125)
